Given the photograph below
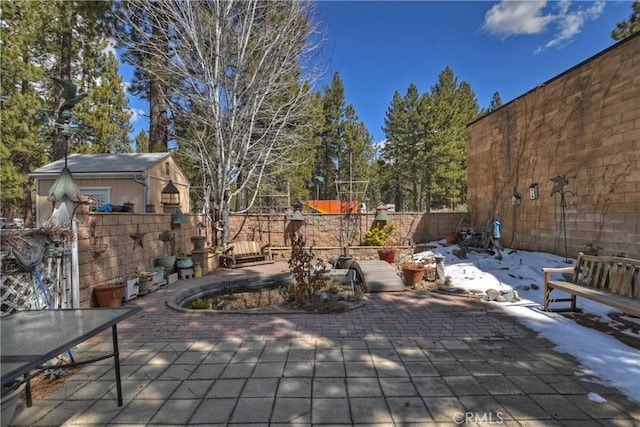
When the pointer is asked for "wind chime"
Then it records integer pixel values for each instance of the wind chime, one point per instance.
(559, 183)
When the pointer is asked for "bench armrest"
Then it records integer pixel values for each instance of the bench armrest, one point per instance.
(549, 270)
(558, 269)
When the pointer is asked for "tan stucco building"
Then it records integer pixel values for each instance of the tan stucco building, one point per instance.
(114, 179)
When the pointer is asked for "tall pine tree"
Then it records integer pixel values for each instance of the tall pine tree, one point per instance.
(104, 129)
(426, 146)
(44, 39)
(632, 25)
(23, 58)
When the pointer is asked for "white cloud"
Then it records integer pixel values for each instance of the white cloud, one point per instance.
(509, 18)
(571, 23)
(513, 17)
(136, 114)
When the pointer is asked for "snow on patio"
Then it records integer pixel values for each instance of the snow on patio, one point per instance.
(616, 363)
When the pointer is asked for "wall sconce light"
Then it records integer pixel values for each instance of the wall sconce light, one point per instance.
(381, 213)
(170, 195)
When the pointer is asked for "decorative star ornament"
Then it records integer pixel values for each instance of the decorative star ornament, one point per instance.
(138, 238)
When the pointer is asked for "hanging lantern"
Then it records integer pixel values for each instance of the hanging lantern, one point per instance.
(170, 195)
(297, 211)
(381, 213)
(178, 218)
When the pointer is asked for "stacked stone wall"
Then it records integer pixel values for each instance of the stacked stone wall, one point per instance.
(108, 251)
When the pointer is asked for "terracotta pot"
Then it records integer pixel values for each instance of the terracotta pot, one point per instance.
(388, 255)
(450, 238)
(109, 295)
(412, 274)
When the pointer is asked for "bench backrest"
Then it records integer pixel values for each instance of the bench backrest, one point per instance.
(620, 276)
(245, 247)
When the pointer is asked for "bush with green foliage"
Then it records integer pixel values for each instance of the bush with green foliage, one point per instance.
(378, 236)
(591, 249)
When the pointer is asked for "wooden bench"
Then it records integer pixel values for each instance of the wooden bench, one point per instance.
(614, 281)
(245, 253)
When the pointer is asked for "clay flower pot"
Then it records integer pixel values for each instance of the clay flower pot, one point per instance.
(387, 254)
(412, 274)
(109, 295)
(450, 238)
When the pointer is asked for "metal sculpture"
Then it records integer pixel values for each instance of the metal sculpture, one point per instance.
(560, 182)
(64, 191)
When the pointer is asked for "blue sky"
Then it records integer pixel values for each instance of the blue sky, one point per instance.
(379, 47)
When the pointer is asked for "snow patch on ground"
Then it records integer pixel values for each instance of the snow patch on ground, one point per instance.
(614, 362)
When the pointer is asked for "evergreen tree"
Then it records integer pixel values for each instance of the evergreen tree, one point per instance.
(141, 142)
(330, 136)
(626, 28)
(40, 40)
(150, 80)
(105, 129)
(299, 175)
(23, 55)
(79, 31)
(426, 146)
(355, 155)
(496, 102)
(344, 148)
(398, 151)
(454, 106)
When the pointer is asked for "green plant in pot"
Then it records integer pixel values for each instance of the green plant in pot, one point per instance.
(379, 236)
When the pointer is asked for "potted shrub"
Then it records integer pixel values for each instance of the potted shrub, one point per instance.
(379, 236)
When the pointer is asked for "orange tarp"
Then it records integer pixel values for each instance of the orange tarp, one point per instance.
(334, 206)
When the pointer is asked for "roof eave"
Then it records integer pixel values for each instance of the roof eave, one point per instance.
(89, 175)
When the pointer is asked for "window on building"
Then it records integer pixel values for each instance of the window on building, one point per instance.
(98, 196)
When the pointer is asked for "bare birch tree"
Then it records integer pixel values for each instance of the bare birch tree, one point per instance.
(239, 75)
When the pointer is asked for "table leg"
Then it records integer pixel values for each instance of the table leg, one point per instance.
(116, 361)
(28, 391)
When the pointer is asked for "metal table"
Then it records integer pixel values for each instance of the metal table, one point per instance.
(31, 338)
